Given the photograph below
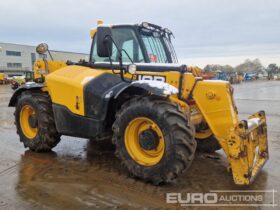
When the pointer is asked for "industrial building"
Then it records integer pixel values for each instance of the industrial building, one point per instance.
(15, 59)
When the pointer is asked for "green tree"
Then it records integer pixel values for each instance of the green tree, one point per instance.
(227, 69)
(250, 66)
(272, 69)
(212, 67)
(217, 67)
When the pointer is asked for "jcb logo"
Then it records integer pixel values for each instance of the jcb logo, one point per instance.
(151, 77)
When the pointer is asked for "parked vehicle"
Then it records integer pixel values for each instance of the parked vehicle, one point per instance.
(3, 79)
(250, 76)
(17, 81)
(157, 112)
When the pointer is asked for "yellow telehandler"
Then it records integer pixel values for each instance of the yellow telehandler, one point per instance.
(156, 110)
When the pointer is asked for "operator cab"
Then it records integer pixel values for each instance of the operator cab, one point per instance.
(144, 43)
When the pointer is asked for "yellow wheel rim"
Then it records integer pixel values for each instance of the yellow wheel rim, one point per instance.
(203, 134)
(26, 112)
(132, 141)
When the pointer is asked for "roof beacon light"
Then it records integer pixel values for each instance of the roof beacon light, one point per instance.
(145, 24)
(99, 22)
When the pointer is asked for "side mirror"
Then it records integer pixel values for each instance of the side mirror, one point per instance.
(104, 41)
(42, 48)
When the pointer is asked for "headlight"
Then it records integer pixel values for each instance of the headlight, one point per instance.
(131, 69)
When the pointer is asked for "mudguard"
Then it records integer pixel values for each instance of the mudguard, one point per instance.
(155, 87)
(27, 86)
(107, 87)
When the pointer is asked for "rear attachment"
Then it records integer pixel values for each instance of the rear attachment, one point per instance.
(244, 142)
(248, 149)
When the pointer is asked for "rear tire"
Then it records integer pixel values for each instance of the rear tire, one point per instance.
(43, 135)
(178, 138)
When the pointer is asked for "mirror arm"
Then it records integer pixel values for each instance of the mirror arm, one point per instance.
(122, 68)
(128, 56)
(46, 66)
(50, 55)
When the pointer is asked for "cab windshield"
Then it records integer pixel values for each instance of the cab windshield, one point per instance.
(126, 39)
(158, 47)
(153, 47)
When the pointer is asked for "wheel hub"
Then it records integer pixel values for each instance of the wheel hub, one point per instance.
(33, 122)
(144, 141)
(28, 122)
(148, 139)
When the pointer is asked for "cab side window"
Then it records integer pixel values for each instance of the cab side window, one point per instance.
(125, 39)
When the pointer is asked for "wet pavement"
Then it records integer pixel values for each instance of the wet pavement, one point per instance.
(76, 175)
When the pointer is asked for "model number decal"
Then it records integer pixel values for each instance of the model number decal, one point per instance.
(151, 77)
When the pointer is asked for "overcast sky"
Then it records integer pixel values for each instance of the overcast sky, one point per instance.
(206, 31)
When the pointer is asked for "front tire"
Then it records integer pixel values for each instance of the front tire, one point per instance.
(35, 123)
(153, 139)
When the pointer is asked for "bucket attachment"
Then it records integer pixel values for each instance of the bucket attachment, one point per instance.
(247, 148)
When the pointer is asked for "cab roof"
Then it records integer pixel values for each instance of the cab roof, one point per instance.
(146, 25)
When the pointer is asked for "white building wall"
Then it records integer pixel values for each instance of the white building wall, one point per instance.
(64, 56)
(25, 58)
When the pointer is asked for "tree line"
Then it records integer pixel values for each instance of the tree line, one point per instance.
(254, 66)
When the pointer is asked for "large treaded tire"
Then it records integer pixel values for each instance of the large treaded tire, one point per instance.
(47, 136)
(209, 144)
(180, 144)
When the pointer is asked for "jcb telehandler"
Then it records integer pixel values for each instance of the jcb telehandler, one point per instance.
(156, 110)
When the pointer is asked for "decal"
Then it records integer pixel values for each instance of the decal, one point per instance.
(153, 58)
(151, 77)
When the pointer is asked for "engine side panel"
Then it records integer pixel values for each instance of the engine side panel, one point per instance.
(66, 86)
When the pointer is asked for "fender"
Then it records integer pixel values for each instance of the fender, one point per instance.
(27, 86)
(155, 87)
(108, 87)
